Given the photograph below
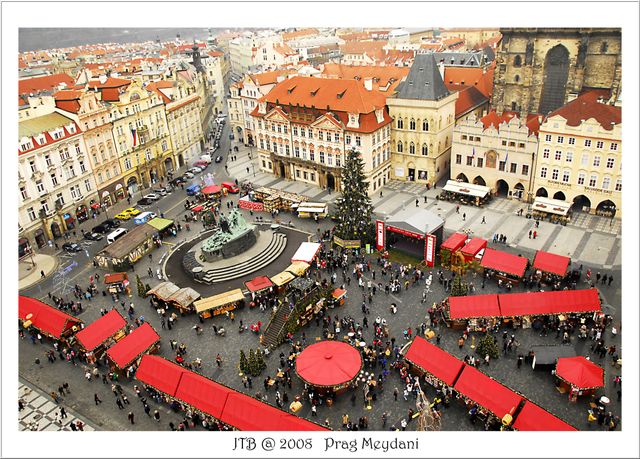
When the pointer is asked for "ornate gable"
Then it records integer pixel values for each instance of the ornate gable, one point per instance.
(326, 121)
(277, 115)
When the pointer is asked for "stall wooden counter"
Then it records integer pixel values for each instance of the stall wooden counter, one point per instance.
(219, 304)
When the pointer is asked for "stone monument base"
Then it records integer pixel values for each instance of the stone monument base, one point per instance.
(239, 244)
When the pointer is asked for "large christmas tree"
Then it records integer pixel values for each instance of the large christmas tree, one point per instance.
(354, 207)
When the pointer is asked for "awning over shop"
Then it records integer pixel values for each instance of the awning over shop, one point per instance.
(219, 300)
(184, 297)
(467, 307)
(203, 394)
(198, 208)
(312, 207)
(433, 360)
(533, 418)
(97, 332)
(306, 252)
(160, 223)
(414, 222)
(47, 319)
(547, 303)
(298, 268)
(282, 278)
(454, 242)
(129, 348)
(487, 392)
(164, 290)
(114, 278)
(468, 189)
(474, 246)
(551, 263)
(551, 206)
(160, 374)
(504, 262)
(257, 284)
(580, 372)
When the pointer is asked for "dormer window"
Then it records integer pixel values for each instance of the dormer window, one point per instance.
(353, 120)
(25, 146)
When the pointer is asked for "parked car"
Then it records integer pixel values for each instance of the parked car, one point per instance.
(230, 187)
(195, 170)
(145, 201)
(160, 191)
(71, 247)
(189, 175)
(93, 236)
(111, 223)
(178, 180)
(152, 196)
(102, 228)
(218, 159)
(123, 216)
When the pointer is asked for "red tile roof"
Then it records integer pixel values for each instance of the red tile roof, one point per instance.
(156, 87)
(586, 107)
(471, 76)
(468, 98)
(265, 78)
(67, 100)
(383, 74)
(287, 36)
(216, 53)
(493, 119)
(45, 83)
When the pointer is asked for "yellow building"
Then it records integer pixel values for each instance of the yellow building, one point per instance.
(580, 156)
(423, 111)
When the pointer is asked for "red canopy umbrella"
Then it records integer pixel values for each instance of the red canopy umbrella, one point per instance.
(198, 208)
(580, 372)
(329, 364)
(211, 189)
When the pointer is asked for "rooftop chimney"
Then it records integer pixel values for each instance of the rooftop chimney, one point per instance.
(368, 84)
(441, 69)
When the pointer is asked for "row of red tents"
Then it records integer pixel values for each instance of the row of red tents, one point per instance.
(227, 405)
(505, 262)
(480, 388)
(55, 324)
(524, 304)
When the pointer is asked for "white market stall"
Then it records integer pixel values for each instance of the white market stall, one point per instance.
(306, 252)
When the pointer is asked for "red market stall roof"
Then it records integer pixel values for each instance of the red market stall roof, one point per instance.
(125, 351)
(115, 277)
(551, 263)
(504, 262)
(465, 307)
(198, 208)
(47, 319)
(203, 394)
(338, 293)
(328, 363)
(474, 246)
(434, 360)
(547, 303)
(486, 392)
(580, 372)
(533, 418)
(454, 242)
(211, 189)
(97, 332)
(258, 284)
(306, 252)
(246, 413)
(160, 374)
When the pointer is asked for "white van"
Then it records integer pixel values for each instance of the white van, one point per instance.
(206, 158)
(144, 217)
(117, 234)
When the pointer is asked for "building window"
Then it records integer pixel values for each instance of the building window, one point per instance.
(320, 135)
(517, 61)
(286, 150)
(262, 144)
(525, 169)
(330, 159)
(585, 159)
(31, 213)
(399, 123)
(32, 166)
(504, 143)
(477, 139)
(547, 138)
(572, 140)
(521, 145)
(412, 125)
(581, 178)
(513, 168)
(502, 165)
(127, 163)
(23, 193)
(347, 139)
(479, 162)
(338, 162)
(295, 130)
(296, 152)
(275, 148)
(458, 159)
(322, 157)
(545, 153)
(593, 180)
(596, 161)
(425, 149)
(558, 155)
(83, 168)
(566, 176)
(336, 137)
(357, 141)
(464, 137)
(614, 146)
(606, 183)
(298, 173)
(610, 163)
(569, 157)
(604, 46)
(516, 78)
(469, 160)
(560, 139)
(400, 147)
(543, 172)
(412, 148)
(587, 142)
(425, 126)
(47, 160)
(619, 185)
(54, 180)
(554, 174)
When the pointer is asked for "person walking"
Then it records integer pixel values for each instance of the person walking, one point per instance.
(483, 222)
(610, 279)
(395, 394)
(530, 232)
(97, 399)
(417, 202)
(130, 417)
(156, 415)
(219, 360)
(464, 217)
(119, 403)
